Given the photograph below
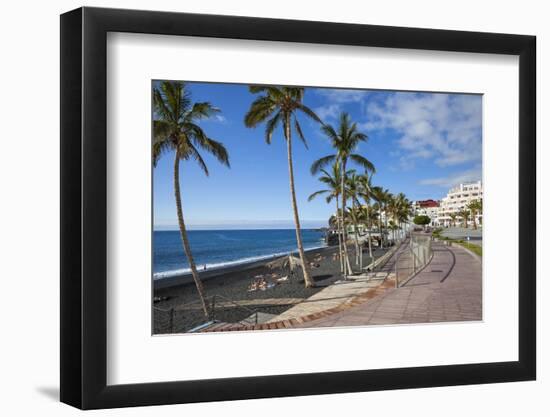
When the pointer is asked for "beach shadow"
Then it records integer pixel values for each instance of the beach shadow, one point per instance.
(49, 392)
(321, 277)
(316, 278)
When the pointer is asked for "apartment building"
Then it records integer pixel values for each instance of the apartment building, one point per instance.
(458, 199)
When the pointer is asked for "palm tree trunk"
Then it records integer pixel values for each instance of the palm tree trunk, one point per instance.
(346, 257)
(356, 236)
(380, 227)
(357, 254)
(341, 258)
(386, 222)
(368, 234)
(305, 267)
(185, 239)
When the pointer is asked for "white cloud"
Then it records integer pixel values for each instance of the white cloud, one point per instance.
(216, 118)
(341, 96)
(328, 112)
(336, 99)
(444, 127)
(454, 179)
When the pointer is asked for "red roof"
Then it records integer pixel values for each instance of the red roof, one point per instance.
(427, 203)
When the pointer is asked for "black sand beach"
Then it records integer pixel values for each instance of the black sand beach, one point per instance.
(230, 290)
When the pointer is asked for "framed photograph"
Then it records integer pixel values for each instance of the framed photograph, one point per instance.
(259, 208)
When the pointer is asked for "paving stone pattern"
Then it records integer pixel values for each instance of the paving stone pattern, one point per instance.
(448, 289)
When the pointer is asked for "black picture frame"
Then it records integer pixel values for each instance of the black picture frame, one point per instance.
(84, 207)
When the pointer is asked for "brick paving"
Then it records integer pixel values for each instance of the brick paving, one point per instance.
(331, 300)
(339, 293)
(448, 289)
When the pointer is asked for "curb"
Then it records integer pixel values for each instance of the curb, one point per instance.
(475, 255)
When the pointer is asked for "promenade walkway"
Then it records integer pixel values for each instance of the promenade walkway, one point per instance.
(339, 293)
(448, 289)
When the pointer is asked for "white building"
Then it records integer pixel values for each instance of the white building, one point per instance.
(428, 208)
(457, 199)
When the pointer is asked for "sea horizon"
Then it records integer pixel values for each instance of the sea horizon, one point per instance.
(205, 229)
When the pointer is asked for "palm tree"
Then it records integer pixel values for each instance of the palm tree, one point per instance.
(354, 186)
(175, 129)
(453, 217)
(403, 210)
(367, 194)
(376, 216)
(475, 208)
(345, 140)
(380, 196)
(354, 216)
(391, 213)
(332, 191)
(464, 214)
(280, 105)
(393, 227)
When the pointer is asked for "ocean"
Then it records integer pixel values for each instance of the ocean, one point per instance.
(221, 248)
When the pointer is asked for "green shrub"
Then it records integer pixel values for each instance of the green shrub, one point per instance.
(421, 220)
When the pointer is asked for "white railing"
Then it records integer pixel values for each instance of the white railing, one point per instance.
(417, 255)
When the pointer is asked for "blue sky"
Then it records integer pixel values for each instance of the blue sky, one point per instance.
(421, 145)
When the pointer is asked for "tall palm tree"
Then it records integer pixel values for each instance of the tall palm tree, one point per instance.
(475, 208)
(403, 210)
(175, 129)
(391, 213)
(383, 196)
(281, 105)
(380, 196)
(464, 214)
(354, 185)
(453, 217)
(353, 216)
(332, 191)
(393, 227)
(344, 139)
(367, 194)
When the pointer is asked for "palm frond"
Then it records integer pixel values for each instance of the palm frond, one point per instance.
(308, 112)
(194, 153)
(215, 148)
(161, 129)
(200, 111)
(300, 133)
(363, 162)
(329, 131)
(259, 111)
(160, 107)
(160, 147)
(321, 163)
(317, 193)
(270, 127)
(270, 90)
